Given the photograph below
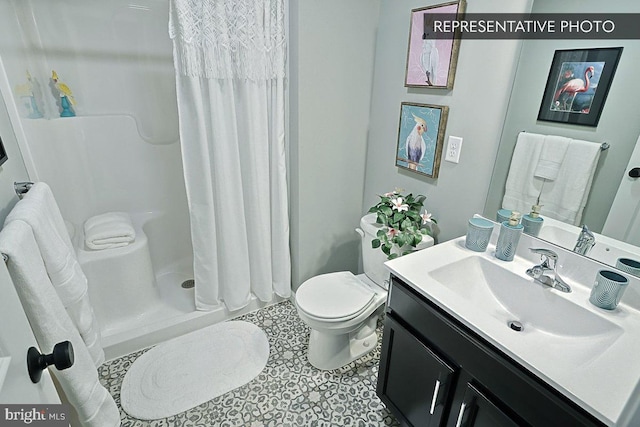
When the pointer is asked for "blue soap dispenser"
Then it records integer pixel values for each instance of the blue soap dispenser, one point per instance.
(532, 222)
(510, 232)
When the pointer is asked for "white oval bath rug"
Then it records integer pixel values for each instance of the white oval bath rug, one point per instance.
(192, 369)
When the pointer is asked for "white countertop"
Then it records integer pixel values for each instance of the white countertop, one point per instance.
(598, 371)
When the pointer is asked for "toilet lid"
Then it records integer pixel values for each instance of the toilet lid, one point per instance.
(334, 295)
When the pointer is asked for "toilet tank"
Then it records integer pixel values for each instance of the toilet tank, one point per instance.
(373, 259)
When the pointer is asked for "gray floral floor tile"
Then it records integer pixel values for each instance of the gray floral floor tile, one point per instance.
(289, 392)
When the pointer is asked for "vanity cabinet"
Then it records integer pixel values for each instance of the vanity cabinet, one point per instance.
(435, 371)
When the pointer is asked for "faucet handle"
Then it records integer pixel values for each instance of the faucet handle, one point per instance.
(546, 255)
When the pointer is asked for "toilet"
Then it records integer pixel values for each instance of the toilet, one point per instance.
(342, 309)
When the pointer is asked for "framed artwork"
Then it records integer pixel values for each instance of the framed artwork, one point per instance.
(3, 153)
(420, 137)
(578, 84)
(431, 61)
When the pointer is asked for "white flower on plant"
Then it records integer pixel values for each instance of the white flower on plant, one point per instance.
(392, 232)
(426, 217)
(391, 194)
(399, 205)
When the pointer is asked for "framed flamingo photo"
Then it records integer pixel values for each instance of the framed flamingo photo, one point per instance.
(420, 137)
(578, 84)
(431, 58)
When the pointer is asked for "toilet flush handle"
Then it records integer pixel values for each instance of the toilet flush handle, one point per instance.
(360, 232)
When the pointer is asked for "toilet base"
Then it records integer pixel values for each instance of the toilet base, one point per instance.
(329, 351)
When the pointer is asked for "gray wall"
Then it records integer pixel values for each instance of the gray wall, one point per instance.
(13, 169)
(332, 48)
(477, 108)
(619, 124)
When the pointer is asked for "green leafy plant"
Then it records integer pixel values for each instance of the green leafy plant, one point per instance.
(404, 224)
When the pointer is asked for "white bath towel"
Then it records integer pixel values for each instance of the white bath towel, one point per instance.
(109, 230)
(552, 155)
(522, 188)
(565, 198)
(39, 209)
(51, 324)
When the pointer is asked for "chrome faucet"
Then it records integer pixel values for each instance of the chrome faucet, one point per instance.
(548, 265)
(586, 241)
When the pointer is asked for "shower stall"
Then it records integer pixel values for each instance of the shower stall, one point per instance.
(121, 152)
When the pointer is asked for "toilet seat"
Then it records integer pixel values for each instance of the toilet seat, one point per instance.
(334, 297)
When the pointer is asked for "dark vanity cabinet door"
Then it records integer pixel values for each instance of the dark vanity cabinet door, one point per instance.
(478, 410)
(413, 379)
(432, 366)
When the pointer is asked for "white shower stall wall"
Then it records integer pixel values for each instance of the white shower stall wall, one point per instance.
(120, 153)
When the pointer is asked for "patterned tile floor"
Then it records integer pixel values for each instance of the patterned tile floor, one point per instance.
(288, 392)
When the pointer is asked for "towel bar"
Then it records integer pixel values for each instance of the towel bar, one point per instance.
(603, 146)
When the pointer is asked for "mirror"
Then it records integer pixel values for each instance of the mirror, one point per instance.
(618, 126)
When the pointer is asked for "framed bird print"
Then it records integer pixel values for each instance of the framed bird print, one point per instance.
(420, 137)
(431, 60)
(578, 84)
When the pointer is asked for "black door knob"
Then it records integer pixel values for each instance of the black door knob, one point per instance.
(61, 358)
(634, 173)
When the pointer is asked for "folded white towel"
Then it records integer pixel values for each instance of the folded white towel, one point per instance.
(51, 324)
(39, 209)
(109, 230)
(565, 198)
(522, 189)
(551, 158)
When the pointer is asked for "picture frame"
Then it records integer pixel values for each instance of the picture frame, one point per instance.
(3, 153)
(578, 85)
(420, 137)
(432, 60)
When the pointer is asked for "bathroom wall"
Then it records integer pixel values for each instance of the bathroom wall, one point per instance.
(13, 169)
(477, 108)
(332, 56)
(619, 124)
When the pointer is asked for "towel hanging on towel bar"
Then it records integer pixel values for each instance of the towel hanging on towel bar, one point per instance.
(603, 146)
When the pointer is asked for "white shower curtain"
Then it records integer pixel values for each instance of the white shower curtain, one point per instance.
(230, 73)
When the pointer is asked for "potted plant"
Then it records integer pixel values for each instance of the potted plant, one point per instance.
(404, 223)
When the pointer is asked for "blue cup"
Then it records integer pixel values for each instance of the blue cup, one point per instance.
(478, 234)
(503, 215)
(608, 289)
(628, 265)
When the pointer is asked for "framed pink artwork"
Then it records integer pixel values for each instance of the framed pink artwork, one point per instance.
(431, 60)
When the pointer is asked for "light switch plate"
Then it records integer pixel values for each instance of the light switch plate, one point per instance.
(454, 147)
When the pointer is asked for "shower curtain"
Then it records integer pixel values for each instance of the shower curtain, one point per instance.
(230, 58)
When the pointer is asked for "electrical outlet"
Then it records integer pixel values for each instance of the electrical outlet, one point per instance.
(453, 149)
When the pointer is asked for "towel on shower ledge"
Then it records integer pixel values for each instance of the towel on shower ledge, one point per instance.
(109, 230)
(40, 211)
(51, 324)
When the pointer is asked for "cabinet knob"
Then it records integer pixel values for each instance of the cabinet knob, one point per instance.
(61, 357)
(634, 173)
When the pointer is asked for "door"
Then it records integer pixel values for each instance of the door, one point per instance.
(413, 380)
(623, 221)
(478, 410)
(15, 339)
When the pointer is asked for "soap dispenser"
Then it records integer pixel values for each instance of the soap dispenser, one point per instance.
(532, 222)
(510, 232)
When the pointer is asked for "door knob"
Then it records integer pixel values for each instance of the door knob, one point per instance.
(634, 173)
(61, 358)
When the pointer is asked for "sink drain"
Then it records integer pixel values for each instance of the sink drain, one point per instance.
(188, 284)
(515, 325)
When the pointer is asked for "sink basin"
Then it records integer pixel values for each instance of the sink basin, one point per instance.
(508, 296)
